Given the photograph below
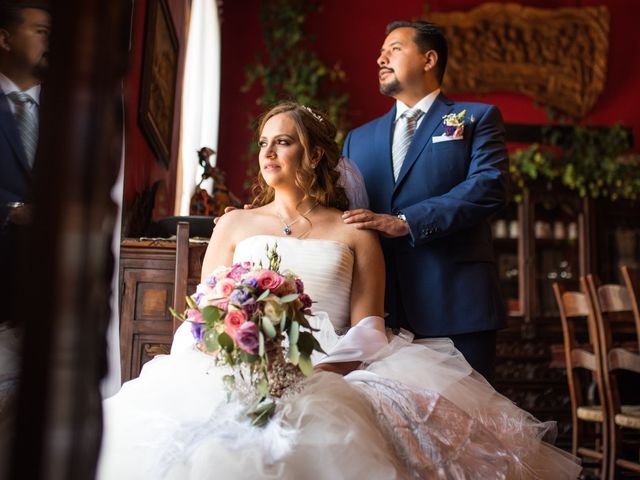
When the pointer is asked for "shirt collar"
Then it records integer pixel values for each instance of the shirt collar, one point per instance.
(7, 86)
(424, 104)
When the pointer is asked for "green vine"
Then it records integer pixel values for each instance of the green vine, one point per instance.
(291, 70)
(591, 161)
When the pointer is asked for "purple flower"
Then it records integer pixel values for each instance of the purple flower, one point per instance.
(197, 330)
(250, 308)
(250, 282)
(241, 296)
(449, 130)
(247, 337)
(197, 297)
(306, 301)
(238, 269)
(299, 286)
(211, 281)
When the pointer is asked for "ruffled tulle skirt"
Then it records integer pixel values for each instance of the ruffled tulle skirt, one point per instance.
(414, 411)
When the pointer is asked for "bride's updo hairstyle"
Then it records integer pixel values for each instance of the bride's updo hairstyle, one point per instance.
(315, 130)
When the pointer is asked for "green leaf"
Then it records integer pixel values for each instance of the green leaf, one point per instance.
(226, 342)
(305, 365)
(179, 316)
(293, 333)
(229, 381)
(294, 354)
(211, 314)
(316, 346)
(289, 298)
(305, 343)
(268, 327)
(262, 387)
(283, 321)
(260, 343)
(262, 412)
(263, 295)
(247, 357)
(211, 341)
(191, 302)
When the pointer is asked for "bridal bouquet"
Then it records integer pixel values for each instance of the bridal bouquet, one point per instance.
(253, 319)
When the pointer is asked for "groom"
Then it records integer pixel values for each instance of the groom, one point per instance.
(435, 171)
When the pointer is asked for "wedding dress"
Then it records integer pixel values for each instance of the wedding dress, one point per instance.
(412, 411)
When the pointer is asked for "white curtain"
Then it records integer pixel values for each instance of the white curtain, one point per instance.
(111, 383)
(201, 96)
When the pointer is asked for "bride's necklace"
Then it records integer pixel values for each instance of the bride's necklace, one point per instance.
(286, 229)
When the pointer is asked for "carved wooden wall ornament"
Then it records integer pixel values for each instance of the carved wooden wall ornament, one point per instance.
(557, 57)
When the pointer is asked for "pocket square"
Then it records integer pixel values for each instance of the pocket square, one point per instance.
(444, 138)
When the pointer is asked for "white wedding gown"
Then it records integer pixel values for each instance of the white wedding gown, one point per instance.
(415, 411)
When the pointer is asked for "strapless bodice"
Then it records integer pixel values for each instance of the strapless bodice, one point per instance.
(325, 267)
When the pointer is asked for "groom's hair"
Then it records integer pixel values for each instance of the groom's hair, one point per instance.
(11, 11)
(428, 37)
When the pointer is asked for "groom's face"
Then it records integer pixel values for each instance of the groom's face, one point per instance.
(401, 64)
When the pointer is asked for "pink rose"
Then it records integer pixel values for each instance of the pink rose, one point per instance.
(233, 321)
(268, 280)
(222, 304)
(194, 315)
(224, 287)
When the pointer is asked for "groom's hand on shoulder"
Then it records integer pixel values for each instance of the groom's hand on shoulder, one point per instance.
(247, 206)
(387, 225)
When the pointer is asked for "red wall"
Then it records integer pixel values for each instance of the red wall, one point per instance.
(142, 169)
(351, 32)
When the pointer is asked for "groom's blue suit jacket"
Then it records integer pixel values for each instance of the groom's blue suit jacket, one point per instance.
(442, 278)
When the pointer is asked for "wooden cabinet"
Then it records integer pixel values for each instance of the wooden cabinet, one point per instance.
(552, 235)
(147, 272)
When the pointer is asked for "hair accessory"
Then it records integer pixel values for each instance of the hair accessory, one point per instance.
(315, 115)
(287, 226)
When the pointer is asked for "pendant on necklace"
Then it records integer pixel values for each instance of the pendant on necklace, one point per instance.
(286, 230)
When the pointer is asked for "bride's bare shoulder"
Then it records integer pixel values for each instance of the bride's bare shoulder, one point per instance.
(237, 220)
(350, 235)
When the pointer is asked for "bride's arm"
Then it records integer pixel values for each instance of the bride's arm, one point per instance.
(367, 308)
(221, 245)
(367, 286)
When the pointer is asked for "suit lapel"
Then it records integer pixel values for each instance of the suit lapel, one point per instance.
(432, 120)
(382, 144)
(9, 129)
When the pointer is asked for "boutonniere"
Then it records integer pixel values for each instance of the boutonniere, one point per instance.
(454, 124)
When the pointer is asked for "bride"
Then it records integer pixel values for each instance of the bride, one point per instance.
(378, 406)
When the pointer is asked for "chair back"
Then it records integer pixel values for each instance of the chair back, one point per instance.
(631, 281)
(581, 354)
(189, 258)
(619, 352)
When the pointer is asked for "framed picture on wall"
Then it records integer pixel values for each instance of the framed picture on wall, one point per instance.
(159, 75)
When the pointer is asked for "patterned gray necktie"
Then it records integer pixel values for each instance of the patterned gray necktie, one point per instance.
(27, 121)
(402, 136)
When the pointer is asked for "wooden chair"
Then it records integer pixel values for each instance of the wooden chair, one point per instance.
(632, 282)
(189, 258)
(589, 436)
(619, 353)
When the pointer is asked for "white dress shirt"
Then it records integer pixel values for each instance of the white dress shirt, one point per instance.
(424, 104)
(8, 87)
